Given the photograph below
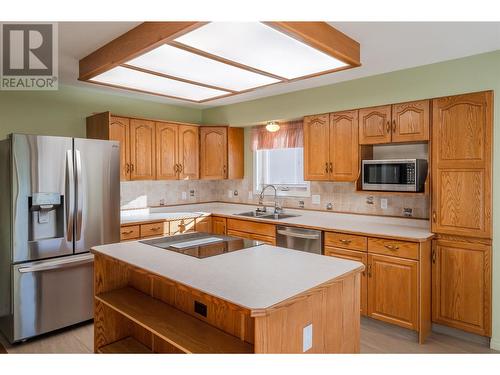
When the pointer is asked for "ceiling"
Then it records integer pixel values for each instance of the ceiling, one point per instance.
(385, 47)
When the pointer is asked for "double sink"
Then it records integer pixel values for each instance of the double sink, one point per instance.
(266, 215)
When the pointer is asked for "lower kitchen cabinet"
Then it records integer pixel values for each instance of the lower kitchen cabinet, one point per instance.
(461, 274)
(203, 224)
(393, 290)
(359, 257)
(218, 225)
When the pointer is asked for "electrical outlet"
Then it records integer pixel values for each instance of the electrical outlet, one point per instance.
(191, 193)
(307, 338)
(184, 195)
(316, 199)
(235, 193)
(230, 193)
(383, 203)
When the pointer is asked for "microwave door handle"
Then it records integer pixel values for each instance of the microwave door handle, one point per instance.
(70, 195)
(79, 193)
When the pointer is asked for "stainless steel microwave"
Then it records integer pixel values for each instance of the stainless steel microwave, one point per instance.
(394, 175)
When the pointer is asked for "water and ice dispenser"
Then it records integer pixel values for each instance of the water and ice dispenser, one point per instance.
(47, 216)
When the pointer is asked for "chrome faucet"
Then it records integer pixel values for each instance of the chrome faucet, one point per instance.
(277, 207)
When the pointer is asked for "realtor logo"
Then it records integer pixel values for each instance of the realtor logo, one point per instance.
(29, 56)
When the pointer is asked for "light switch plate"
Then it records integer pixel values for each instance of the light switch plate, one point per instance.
(184, 195)
(230, 193)
(307, 338)
(383, 203)
(316, 199)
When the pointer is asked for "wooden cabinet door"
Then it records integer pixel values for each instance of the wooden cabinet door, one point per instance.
(375, 125)
(166, 151)
(344, 146)
(316, 148)
(142, 150)
(189, 152)
(461, 278)
(203, 224)
(213, 152)
(461, 165)
(218, 225)
(235, 153)
(410, 121)
(393, 290)
(359, 257)
(119, 130)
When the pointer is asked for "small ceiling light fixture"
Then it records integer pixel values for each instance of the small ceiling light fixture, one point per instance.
(272, 126)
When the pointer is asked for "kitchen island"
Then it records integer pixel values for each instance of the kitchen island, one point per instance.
(263, 299)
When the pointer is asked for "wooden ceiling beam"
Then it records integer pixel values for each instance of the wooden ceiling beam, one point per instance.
(139, 40)
(322, 36)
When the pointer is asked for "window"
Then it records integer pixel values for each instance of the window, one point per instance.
(282, 167)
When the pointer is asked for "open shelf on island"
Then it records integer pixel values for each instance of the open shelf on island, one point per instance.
(128, 345)
(184, 332)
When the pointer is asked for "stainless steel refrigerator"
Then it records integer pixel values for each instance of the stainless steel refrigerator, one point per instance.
(58, 197)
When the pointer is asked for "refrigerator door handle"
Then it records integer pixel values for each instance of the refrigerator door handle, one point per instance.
(79, 193)
(57, 264)
(70, 195)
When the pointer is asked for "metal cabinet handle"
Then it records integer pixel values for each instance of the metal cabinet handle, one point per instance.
(127, 167)
(326, 167)
(331, 167)
(346, 242)
(388, 126)
(394, 126)
(392, 247)
(131, 167)
(181, 167)
(176, 168)
(225, 171)
(434, 256)
(369, 269)
(128, 232)
(156, 228)
(434, 216)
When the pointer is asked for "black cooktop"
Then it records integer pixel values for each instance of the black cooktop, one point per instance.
(201, 245)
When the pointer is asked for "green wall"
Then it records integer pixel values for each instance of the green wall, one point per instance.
(475, 73)
(63, 112)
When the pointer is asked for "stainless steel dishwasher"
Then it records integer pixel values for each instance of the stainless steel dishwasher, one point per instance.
(299, 239)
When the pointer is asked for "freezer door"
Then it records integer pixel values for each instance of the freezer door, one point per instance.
(97, 171)
(51, 294)
(42, 193)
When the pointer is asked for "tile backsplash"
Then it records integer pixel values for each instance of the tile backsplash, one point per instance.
(342, 196)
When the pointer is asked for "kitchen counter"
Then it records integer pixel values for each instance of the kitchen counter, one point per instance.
(396, 228)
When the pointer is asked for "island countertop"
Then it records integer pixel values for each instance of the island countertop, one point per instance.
(255, 278)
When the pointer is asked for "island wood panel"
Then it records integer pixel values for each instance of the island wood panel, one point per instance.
(142, 150)
(410, 121)
(461, 275)
(213, 152)
(393, 290)
(317, 148)
(188, 154)
(358, 256)
(462, 165)
(344, 146)
(280, 329)
(167, 147)
(235, 154)
(375, 125)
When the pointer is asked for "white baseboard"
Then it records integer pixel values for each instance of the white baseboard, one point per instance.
(495, 343)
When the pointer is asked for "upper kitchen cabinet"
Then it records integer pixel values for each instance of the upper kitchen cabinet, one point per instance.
(375, 125)
(344, 148)
(461, 165)
(317, 148)
(410, 121)
(142, 150)
(189, 151)
(216, 142)
(403, 122)
(331, 151)
(108, 127)
(167, 148)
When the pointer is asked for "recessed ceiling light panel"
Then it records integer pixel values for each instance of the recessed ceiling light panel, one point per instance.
(260, 46)
(133, 79)
(176, 62)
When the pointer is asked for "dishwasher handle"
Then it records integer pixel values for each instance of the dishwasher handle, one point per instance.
(299, 235)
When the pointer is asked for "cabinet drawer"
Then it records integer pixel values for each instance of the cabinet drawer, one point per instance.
(181, 226)
(252, 236)
(251, 227)
(395, 248)
(130, 232)
(346, 241)
(155, 229)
